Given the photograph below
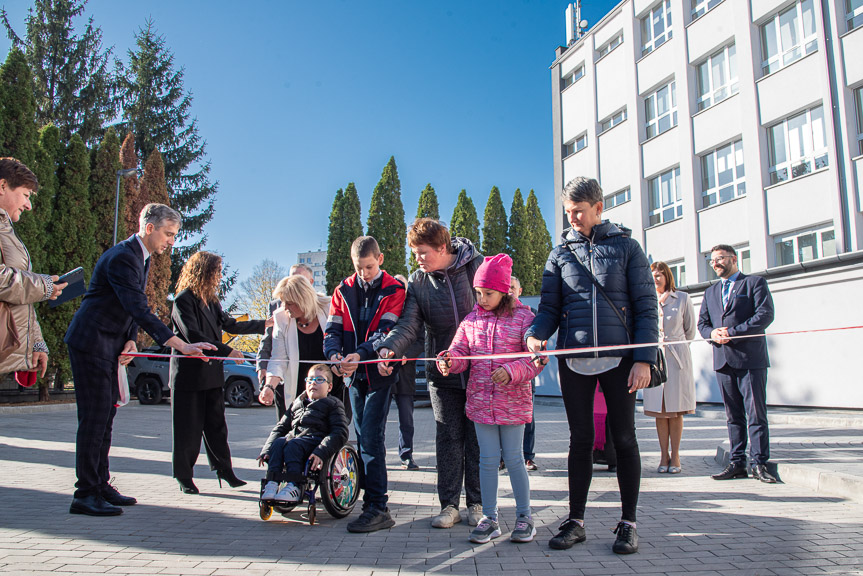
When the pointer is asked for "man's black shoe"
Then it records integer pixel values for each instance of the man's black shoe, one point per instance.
(760, 472)
(571, 533)
(112, 496)
(93, 505)
(627, 539)
(371, 520)
(409, 464)
(731, 471)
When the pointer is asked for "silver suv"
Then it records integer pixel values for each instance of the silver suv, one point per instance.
(148, 379)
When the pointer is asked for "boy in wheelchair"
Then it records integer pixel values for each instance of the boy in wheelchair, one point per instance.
(313, 430)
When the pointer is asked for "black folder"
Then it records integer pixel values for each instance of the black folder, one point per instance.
(76, 286)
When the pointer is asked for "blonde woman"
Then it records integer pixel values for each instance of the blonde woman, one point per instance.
(298, 337)
(198, 402)
(671, 401)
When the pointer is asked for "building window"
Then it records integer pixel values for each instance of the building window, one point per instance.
(678, 272)
(722, 174)
(612, 120)
(854, 13)
(858, 104)
(616, 199)
(789, 36)
(665, 201)
(701, 7)
(572, 77)
(744, 262)
(575, 145)
(717, 77)
(804, 246)
(609, 46)
(656, 27)
(797, 145)
(660, 110)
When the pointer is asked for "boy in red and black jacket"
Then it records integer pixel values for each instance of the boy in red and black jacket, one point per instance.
(364, 308)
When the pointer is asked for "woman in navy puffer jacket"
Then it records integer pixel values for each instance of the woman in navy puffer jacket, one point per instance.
(571, 304)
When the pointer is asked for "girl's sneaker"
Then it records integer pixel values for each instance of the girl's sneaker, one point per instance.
(524, 530)
(270, 491)
(485, 530)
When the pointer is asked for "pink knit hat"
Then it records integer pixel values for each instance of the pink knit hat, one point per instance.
(494, 273)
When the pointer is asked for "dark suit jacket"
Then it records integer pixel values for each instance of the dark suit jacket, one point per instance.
(195, 321)
(265, 348)
(749, 311)
(115, 305)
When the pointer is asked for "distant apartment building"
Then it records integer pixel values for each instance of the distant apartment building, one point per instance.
(317, 260)
(736, 122)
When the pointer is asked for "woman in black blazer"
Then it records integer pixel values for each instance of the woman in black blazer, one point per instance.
(198, 403)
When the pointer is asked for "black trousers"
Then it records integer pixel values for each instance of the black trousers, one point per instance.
(744, 393)
(196, 415)
(96, 393)
(578, 392)
(456, 448)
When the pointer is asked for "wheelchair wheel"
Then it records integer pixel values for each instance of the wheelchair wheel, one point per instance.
(340, 485)
(266, 510)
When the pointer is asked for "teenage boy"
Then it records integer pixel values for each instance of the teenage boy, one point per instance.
(364, 308)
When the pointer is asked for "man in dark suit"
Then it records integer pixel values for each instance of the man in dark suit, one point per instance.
(740, 305)
(99, 338)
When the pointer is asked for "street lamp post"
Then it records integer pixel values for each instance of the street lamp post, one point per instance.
(120, 174)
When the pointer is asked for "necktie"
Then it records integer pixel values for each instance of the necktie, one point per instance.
(726, 292)
(146, 271)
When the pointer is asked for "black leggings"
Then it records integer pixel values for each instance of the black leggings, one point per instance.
(578, 391)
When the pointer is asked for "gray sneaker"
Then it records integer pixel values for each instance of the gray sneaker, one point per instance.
(447, 517)
(524, 530)
(485, 530)
(474, 514)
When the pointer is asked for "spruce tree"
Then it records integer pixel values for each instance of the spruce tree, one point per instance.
(103, 191)
(74, 85)
(539, 243)
(494, 225)
(130, 185)
(335, 243)
(519, 237)
(464, 221)
(153, 189)
(386, 220)
(70, 244)
(157, 110)
(427, 208)
(19, 136)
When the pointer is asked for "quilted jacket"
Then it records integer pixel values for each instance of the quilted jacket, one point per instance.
(484, 332)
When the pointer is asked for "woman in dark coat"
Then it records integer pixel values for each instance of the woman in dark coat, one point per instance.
(198, 403)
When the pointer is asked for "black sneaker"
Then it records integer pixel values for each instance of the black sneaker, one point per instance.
(371, 520)
(571, 533)
(627, 539)
(409, 464)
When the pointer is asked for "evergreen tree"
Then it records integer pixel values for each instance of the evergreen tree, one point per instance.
(519, 237)
(335, 244)
(70, 244)
(386, 220)
(427, 208)
(73, 84)
(494, 226)
(103, 191)
(539, 243)
(153, 189)
(32, 228)
(130, 192)
(464, 219)
(19, 136)
(156, 109)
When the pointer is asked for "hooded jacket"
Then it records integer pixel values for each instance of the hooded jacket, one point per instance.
(20, 288)
(484, 332)
(324, 418)
(437, 302)
(570, 303)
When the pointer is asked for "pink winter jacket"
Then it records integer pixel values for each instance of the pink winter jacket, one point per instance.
(483, 332)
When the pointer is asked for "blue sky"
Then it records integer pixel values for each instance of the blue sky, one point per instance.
(298, 98)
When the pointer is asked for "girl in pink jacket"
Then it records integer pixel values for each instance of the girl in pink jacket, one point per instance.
(499, 399)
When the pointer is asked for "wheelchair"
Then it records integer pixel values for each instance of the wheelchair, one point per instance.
(339, 481)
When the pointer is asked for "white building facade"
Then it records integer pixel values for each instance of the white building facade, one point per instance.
(736, 122)
(317, 261)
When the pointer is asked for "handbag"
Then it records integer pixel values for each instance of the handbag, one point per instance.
(658, 372)
(9, 341)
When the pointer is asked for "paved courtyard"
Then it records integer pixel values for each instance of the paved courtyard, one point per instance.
(688, 524)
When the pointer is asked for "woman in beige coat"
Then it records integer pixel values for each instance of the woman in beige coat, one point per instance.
(669, 402)
(20, 288)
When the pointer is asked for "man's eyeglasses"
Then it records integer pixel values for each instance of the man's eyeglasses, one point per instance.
(316, 380)
(719, 259)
